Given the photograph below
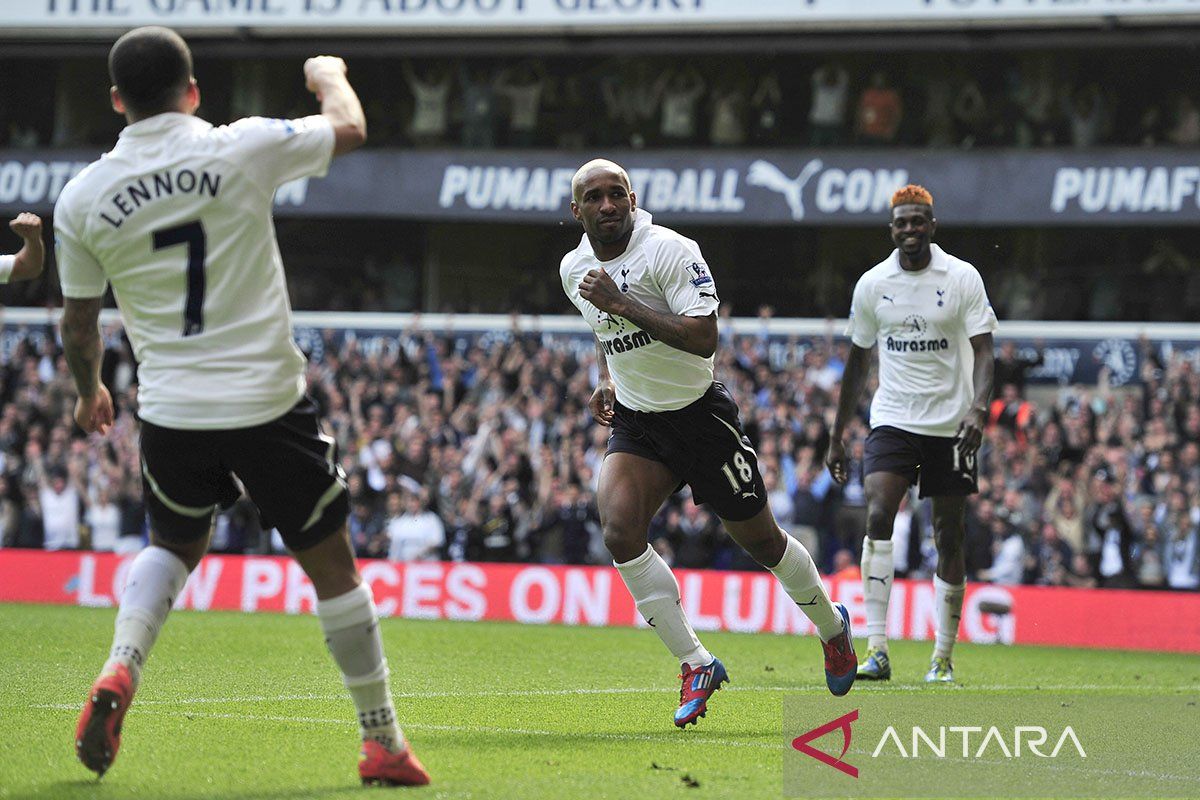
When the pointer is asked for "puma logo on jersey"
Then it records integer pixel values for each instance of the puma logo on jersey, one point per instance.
(882, 580)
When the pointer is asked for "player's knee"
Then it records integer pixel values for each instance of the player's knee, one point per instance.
(189, 553)
(623, 540)
(948, 525)
(765, 546)
(879, 521)
(947, 535)
(768, 553)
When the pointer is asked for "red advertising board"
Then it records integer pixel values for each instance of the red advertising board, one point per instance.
(539, 594)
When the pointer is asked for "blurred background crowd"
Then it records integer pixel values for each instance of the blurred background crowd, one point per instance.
(496, 102)
(482, 449)
(997, 99)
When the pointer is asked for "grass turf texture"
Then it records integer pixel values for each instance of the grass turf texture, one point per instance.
(251, 706)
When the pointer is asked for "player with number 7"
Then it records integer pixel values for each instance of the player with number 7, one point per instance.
(177, 219)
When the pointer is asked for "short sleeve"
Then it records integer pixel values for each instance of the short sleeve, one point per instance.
(564, 273)
(280, 150)
(6, 267)
(684, 278)
(977, 313)
(863, 328)
(78, 270)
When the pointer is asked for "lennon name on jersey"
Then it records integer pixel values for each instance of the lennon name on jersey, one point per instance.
(153, 187)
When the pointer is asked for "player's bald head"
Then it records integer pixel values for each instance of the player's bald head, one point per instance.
(594, 166)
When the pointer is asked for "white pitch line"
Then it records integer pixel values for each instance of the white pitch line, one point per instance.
(880, 689)
(665, 738)
(215, 700)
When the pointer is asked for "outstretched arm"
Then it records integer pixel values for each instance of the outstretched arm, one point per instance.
(853, 378)
(695, 335)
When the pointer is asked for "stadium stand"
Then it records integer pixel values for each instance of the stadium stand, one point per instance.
(469, 450)
(1006, 112)
(1031, 98)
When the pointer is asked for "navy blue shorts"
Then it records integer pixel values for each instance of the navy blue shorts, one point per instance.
(931, 462)
(703, 444)
(288, 466)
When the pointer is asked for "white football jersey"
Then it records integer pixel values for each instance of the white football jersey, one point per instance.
(178, 219)
(666, 272)
(923, 322)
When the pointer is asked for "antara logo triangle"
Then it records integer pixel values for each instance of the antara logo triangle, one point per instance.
(801, 743)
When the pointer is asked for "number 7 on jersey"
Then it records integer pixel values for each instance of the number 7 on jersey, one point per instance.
(191, 234)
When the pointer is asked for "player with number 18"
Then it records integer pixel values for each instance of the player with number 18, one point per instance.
(652, 306)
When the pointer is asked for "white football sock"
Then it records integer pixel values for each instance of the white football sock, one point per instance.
(798, 574)
(351, 626)
(949, 601)
(656, 593)
(878, 572)
(155, 579)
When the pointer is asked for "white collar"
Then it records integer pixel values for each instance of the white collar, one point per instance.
(161, 122)
(939, 261)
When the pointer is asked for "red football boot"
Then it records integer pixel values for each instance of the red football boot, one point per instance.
(98, 734)
(378, 766)
(841, 665)
(699, 683)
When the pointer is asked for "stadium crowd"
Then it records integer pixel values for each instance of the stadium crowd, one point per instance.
(998, 99)
(482, 448)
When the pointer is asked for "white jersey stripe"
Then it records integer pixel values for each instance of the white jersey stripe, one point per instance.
(195, 512)
(737, 437)
(335, 488)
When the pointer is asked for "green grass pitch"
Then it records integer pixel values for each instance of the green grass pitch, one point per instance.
(251, 706)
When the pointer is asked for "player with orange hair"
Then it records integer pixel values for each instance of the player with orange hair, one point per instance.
(912, 195)
(930, 316)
